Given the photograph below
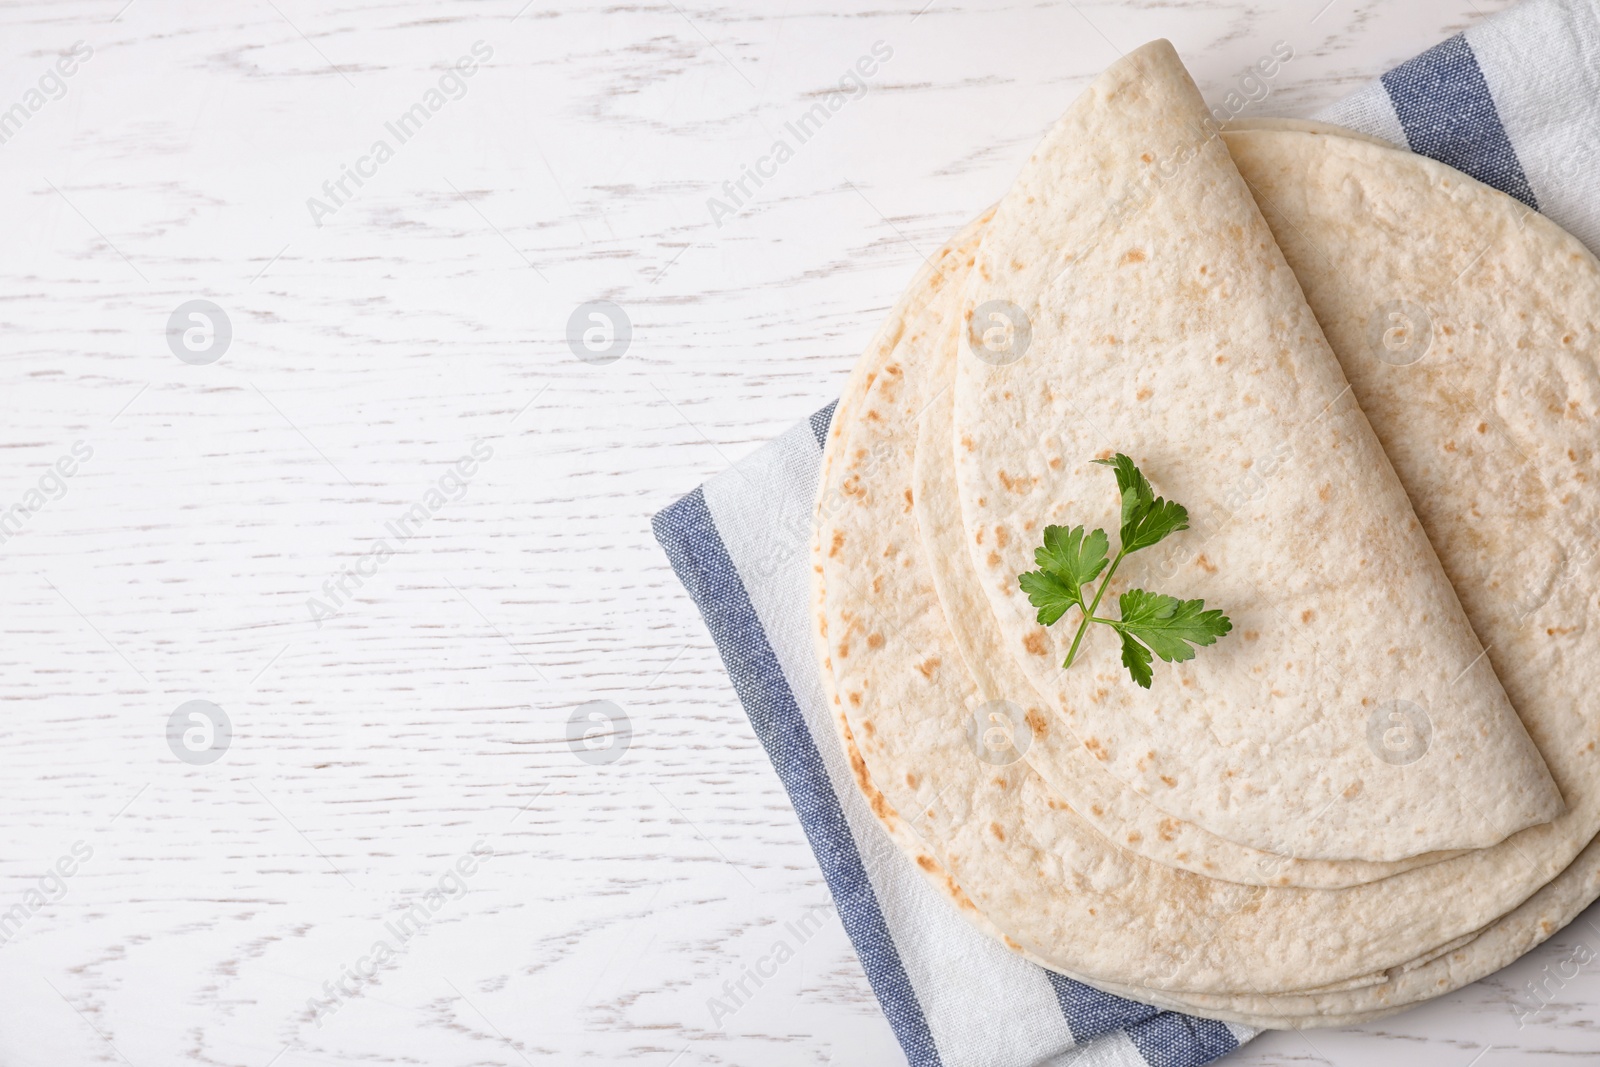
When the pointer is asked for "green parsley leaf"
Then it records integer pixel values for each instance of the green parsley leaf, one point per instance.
(1169, 625)
(1068, 560)
(1136, 658)
(1131, 483)
(1158, 519)
(1146, 518)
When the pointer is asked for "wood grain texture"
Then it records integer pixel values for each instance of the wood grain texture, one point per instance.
(428, 715)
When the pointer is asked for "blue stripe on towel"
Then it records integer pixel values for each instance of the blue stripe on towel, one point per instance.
(689, 536)
(1090, 1012)
(820, 423)
(1443, 104)
(1173, 1040)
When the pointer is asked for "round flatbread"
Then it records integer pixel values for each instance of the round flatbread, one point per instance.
(1059, 889)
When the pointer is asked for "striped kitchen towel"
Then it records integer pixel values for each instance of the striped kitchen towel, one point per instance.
(1512, 102)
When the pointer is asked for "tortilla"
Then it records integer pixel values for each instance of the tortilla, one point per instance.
(1467, 957)
(1059, 890)
(1165, 324)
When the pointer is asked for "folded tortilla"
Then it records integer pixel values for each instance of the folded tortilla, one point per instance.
(1059, 889)
(1310, 190)
(1164, 323)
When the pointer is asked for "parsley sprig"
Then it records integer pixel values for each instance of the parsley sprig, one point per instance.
(1155, 623)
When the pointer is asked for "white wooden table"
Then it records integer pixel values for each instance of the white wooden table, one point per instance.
(395, 708)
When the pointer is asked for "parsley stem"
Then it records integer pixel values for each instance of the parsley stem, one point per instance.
(1088, 616)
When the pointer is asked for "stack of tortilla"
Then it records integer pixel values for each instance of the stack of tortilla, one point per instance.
(1373, 383)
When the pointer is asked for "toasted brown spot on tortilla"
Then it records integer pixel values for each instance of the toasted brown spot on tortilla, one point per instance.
(1205, 564)
(1098, 750)
(1170, 783)
(928, 666)
(1134, 837)
(838, 543)
(1034, 643)
(874, 641)
(927, 864)
(1307, 615)
(994, 559)
(1144, 393)
(912, 780)
(1001, 537)
(1016, 485)
(1134, 256)
(880, 805)
(1352, 791)
(1037, 723)
(994, 828)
